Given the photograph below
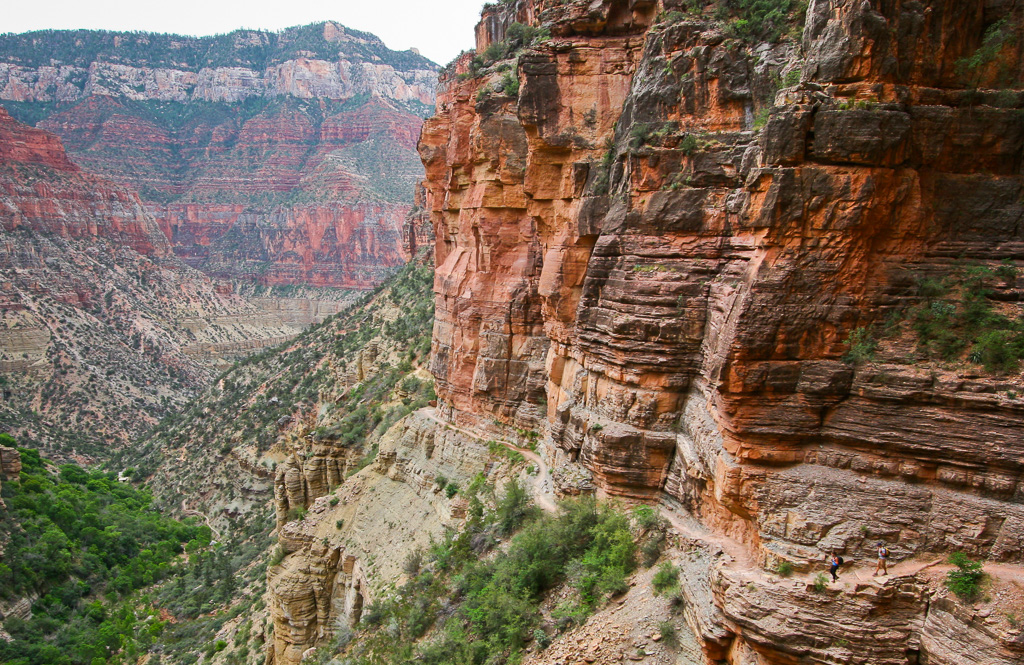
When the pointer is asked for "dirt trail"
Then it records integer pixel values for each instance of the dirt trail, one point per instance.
(188, 512)
(858, 571)
(543, 492)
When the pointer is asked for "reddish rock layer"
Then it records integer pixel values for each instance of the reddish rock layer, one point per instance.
(656, 250)
(320, 245)
(288, 174)
(46, 193)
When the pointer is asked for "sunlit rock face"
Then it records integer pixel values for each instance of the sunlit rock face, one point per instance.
(654, 247)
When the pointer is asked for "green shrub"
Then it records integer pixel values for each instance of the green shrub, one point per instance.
(996, 36)
(689, 144)
(513, 508)
(452, 489)
(413, 562)
(761, 19)
(1007, 271)
(665, 579)
(862, 346)
(669, 635)
(524, 36)
(645, 517)
(596, 427)
(762, 116)
(820, 582)
(784, 569)
(650, 550)
(334, 501)
(965, 580)
(510, 84)
(999, 351)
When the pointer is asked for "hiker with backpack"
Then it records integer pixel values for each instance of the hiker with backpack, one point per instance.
(834, 561)
(883, 559)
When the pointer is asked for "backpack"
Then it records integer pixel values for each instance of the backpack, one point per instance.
(883, 551)
(840, 560)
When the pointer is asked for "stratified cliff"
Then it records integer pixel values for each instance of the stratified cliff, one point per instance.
(277, 158)
(102, 328)
(661, 231)
(755, 264)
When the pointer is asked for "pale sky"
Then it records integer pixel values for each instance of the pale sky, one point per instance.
(438, 28)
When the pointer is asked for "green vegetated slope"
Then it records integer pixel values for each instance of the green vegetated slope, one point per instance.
(472, 599)
(240, 48)
(86, 551)
(341, 383)
(111, 576)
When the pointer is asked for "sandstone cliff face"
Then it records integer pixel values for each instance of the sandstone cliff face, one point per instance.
(655, 248)
(295, 169)
(46, 193)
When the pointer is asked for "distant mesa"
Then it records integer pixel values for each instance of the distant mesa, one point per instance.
(276, 158)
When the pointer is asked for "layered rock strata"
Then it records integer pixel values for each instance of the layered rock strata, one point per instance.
(319, 60)
(101, 328)
(355, 540)
(655, 248)
(276, 158)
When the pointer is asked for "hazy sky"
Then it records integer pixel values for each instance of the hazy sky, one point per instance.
(438, 28)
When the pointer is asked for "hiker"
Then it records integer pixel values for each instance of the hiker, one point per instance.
(883, 560)
(834, 561)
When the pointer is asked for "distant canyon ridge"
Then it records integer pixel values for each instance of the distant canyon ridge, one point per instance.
(274, 158)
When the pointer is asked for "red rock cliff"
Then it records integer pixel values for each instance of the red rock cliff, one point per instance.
(46, 193)
(301, 144)
(657, 243)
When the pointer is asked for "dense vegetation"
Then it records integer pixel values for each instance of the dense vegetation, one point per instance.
(955, 318)
(245, 48)
(83, 542)
(476, 603)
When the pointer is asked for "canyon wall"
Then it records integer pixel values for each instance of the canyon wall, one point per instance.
(657, 247)
(102, 328)
(271, 158)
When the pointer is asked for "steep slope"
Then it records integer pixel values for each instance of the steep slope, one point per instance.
(284, 428)
(276, 158)
(659, 236)
(755, 266)
(103, 329)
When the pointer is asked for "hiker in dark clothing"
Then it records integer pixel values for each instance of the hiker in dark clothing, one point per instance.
(834, 562)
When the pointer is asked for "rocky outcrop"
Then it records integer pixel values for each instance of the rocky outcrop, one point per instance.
(10, 469)
(341, 555)
(10, 463)
(655, 247)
